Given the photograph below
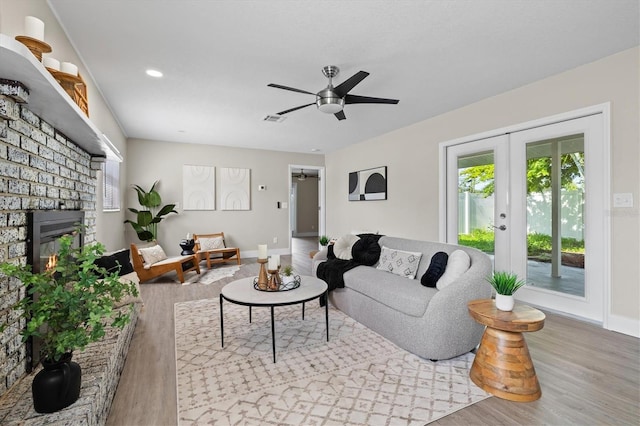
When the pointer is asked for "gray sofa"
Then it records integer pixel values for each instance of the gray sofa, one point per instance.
(433, 324)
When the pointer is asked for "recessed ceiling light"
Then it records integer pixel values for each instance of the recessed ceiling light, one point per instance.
(153, 73)
(315, 150)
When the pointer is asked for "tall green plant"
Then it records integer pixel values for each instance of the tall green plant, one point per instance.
(146, 224)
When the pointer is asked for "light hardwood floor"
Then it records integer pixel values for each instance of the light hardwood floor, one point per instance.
(589, 376)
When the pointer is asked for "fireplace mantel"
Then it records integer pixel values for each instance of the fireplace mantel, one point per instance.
(48, 99)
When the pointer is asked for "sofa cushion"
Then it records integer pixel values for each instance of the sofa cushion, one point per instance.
(153, 254)
(436, 268)
(459, 262)
(342, 247)
(399, 262)
(396, 292)
(119, 262)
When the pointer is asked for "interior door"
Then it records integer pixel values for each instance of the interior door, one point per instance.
(534, 201)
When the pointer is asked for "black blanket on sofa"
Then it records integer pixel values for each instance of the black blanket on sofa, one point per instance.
(365, 251)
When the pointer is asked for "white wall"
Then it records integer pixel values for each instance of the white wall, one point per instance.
(12, 12)
(155, 160)
(411, 155)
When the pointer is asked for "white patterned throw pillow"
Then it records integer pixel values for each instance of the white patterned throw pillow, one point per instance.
(152, 254)
(399, 262)
(207, 244)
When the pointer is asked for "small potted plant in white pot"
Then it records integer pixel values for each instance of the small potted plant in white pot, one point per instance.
(287, 274)
(323, 240)
(505, 284)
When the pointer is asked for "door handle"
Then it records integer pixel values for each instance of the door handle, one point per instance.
(501, 227)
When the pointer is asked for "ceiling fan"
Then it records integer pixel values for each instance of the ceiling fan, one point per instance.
(302, 176)
(332, 100)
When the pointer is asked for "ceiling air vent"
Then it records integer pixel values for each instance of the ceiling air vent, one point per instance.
(274, 118)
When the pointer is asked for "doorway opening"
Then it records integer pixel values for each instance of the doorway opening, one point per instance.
(306, 202)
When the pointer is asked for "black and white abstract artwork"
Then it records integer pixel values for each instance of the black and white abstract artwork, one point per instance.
(370, 184)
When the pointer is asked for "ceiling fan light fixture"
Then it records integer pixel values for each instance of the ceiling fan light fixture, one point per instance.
(328, 101)
(330, 105)
(302, 176)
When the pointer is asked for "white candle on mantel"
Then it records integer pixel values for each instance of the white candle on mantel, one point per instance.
(34, 27)
(272, 263)
(69, 68)
(52, 63)
(277, 256)
(262, 251)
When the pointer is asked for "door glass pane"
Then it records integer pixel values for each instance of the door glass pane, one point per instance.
(555, 214)
(476, 186)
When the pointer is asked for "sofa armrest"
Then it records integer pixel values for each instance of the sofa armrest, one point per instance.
(447, 314)
(321, 256)
(318, 258)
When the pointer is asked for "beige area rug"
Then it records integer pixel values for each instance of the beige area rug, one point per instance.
(357, 378)
(209, 276)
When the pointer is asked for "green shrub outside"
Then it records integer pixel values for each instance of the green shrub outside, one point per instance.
(536, 243)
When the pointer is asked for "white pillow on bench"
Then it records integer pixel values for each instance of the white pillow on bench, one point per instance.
(153, 254)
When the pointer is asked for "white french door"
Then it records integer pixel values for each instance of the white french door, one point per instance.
(535, 200)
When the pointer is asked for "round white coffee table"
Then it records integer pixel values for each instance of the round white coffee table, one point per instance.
(241, 292)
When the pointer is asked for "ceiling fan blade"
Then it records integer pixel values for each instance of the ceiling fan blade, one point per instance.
(346, 86)
(340, 115)
(296, 108)
(355, 99)
(293, 89)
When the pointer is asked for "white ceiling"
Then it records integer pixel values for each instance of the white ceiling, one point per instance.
(218, 57)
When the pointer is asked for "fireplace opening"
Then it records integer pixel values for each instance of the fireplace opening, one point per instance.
(43, 232)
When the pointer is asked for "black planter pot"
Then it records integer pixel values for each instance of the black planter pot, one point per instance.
(57, 385)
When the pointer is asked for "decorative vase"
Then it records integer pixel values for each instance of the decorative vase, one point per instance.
(505, 302)
(57, 385)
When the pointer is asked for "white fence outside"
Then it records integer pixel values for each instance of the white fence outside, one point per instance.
(476, 212)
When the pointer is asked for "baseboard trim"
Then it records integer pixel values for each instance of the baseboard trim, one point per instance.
(624, 325)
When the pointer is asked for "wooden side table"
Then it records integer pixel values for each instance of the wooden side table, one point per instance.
(503, 366)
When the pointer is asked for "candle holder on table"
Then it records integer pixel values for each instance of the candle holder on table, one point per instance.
(274, 279)
(263, 280)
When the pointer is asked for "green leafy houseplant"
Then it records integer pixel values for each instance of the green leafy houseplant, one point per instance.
(146, 223)
(323, 240)
(73, 300)
(505, 283)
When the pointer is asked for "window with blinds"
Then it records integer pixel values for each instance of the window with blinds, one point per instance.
(111, 185)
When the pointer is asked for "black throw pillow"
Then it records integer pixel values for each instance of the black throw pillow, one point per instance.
(117, 262)
(366, 251)
(435, 270)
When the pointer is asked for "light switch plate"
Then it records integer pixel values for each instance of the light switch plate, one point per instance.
(623, 199)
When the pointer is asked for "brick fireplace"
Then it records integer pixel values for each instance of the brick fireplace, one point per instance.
(42, 174)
